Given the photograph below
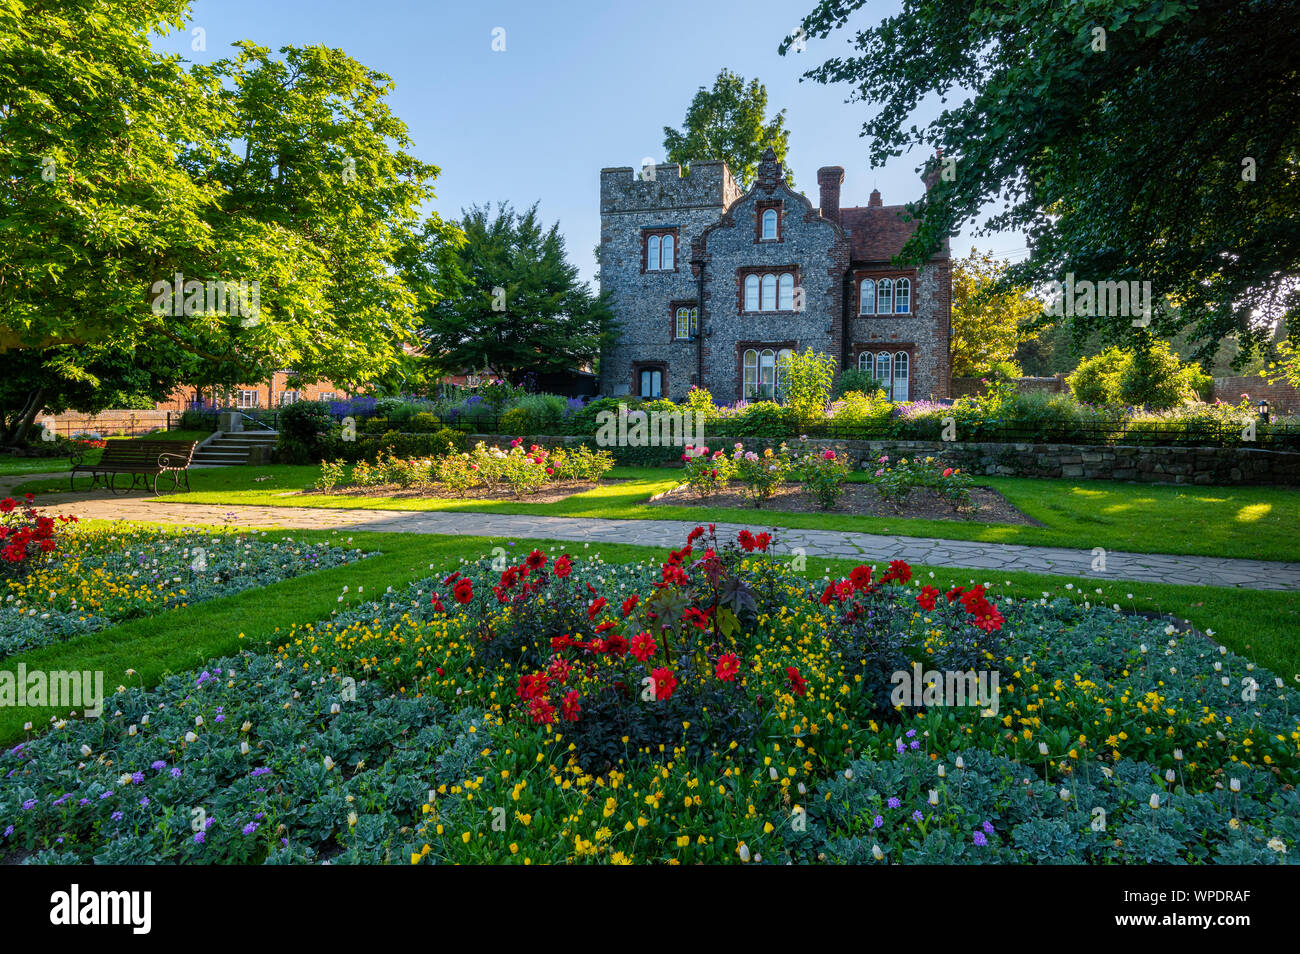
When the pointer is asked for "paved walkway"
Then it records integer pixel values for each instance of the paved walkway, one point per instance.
(963, 554)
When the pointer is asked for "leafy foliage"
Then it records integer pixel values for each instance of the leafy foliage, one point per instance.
(1130, 139)
(729, 122)
(989, 321)
(514, 303)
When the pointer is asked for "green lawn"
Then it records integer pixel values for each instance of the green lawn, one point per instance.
(1245, 522)
(1259, 625)
(54, 465)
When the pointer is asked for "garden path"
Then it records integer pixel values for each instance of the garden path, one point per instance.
(956, 554)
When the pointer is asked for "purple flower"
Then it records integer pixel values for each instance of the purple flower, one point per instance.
(9, 831)
(200, 837)
(981, 839)
(918, 816)
(914, 745)
(29, 804)
(159, 765)
(250, 828)
(116, 816)
(878, 822)
(175, 773)
(894, 803)
(260, 770)
(988, 827)
(910, 733)
(144, 802)
(108, 794)
(137, 778)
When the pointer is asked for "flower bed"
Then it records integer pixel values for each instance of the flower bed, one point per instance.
(107, 576)
(484, 470)
(713, 708)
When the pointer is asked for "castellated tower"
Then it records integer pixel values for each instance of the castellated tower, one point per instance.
(649, 220)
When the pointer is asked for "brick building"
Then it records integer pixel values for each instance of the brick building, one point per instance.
(773, 275)
(267, 394)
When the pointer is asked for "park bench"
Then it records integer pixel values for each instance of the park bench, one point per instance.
(143, 461)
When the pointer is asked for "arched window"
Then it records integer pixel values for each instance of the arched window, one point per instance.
(749, 382)
(865, 362)
(867, 298)
(769, 293)
(883, 375)
(751, 293)
(652, 254)
(884, 297)
(767, 373)
(769, 225)
(902, 297)
(666, 256)
(899, 392)
(785, 292)
(687, 321)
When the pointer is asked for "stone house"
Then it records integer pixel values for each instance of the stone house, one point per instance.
(712, 286)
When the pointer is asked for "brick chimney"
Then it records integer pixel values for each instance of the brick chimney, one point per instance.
(829, 180)
(874, 201)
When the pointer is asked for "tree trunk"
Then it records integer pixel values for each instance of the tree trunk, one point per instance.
(22, 425)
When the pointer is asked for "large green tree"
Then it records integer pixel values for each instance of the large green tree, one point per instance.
(510, 302)
(121, 169)
(729, 122)
(1131, 140)
(988, 320)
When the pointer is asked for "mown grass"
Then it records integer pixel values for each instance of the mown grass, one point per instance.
(1260, 625)
(1260, 523)
(54, 465)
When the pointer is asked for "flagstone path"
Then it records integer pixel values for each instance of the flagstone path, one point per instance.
(963, 554)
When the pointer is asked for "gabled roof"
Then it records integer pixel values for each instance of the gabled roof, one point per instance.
(878, 232)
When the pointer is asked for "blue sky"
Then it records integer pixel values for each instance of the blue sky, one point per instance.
(580, 86)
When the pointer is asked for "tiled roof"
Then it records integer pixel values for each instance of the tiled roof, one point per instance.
(877, 233)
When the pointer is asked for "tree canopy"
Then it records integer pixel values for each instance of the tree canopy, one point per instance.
(511, 302)
(123, 173)
(989, 321)
(1131, 141)
(729, 122)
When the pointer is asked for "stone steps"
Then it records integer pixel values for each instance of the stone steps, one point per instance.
(235, 448)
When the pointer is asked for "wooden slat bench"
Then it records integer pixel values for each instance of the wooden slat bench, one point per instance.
(142, 460)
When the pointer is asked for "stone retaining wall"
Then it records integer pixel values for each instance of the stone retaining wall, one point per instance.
(1167, 465)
